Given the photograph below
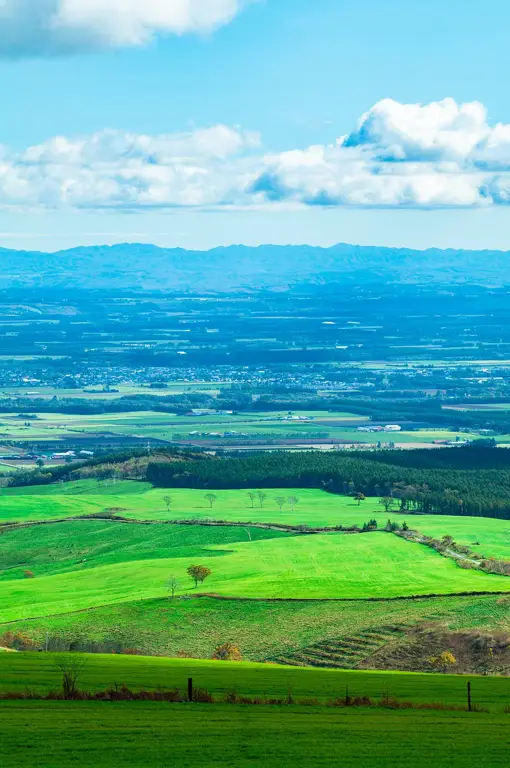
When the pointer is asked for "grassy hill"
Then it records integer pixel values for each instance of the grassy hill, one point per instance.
(374, 565)
(316, 508)
(100, 581)
(263, 630)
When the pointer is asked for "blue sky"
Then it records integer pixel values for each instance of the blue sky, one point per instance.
(279, 77)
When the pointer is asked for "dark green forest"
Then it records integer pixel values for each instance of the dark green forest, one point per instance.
(465, 482)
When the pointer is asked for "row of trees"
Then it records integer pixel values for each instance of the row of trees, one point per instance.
(253, 496)
(430, 490)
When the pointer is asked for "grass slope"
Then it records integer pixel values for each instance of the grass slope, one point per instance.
(323, 566)
(85, 544)
(262, 630)
(315, 508)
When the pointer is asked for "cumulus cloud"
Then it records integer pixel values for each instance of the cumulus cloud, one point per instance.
(398, 155)
(433, 155)
(49, 27)
(114, 169)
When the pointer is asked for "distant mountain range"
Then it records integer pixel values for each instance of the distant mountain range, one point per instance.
(238, 267)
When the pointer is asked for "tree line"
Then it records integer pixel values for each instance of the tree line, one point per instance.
(428, 490)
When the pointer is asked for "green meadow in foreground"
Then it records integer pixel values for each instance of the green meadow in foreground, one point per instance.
(96, 735)
(40, 672)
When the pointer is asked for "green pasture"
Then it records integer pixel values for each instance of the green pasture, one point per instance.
(76, 546)
(96, 735)
(315, 508)
(298, 567)
(40, 672)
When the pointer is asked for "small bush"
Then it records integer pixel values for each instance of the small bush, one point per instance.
(202, 696)
(227, 652)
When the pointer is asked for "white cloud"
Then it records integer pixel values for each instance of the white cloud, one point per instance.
(48, 27)
(441, 130)
(122, 170)
(432, 156)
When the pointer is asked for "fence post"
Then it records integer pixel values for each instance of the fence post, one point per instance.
(190, 689)
(469, 696)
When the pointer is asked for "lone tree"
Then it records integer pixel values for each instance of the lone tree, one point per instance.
(261, 497)
(198, 573)
(251, 496)
(227, 652)
(173, 586)
(168, 501)
(360, 497)
(293, 500)
(388, 502)
(280, 500)
(211, 498)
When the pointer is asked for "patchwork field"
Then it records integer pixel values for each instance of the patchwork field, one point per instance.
(164, 426)
(216, 429)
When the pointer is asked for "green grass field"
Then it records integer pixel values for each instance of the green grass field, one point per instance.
(107, 581)
(315, 508)
(39, 671)
(299, 567)
(95, 735)
(92, 734)
(77, 546)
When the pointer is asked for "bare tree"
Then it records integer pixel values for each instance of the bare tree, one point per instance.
(252, 496)
(280, 500)
(261, 496)
(70, 666)
(293, 500)
(211, 498)
(174, 586)
(168, 501)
